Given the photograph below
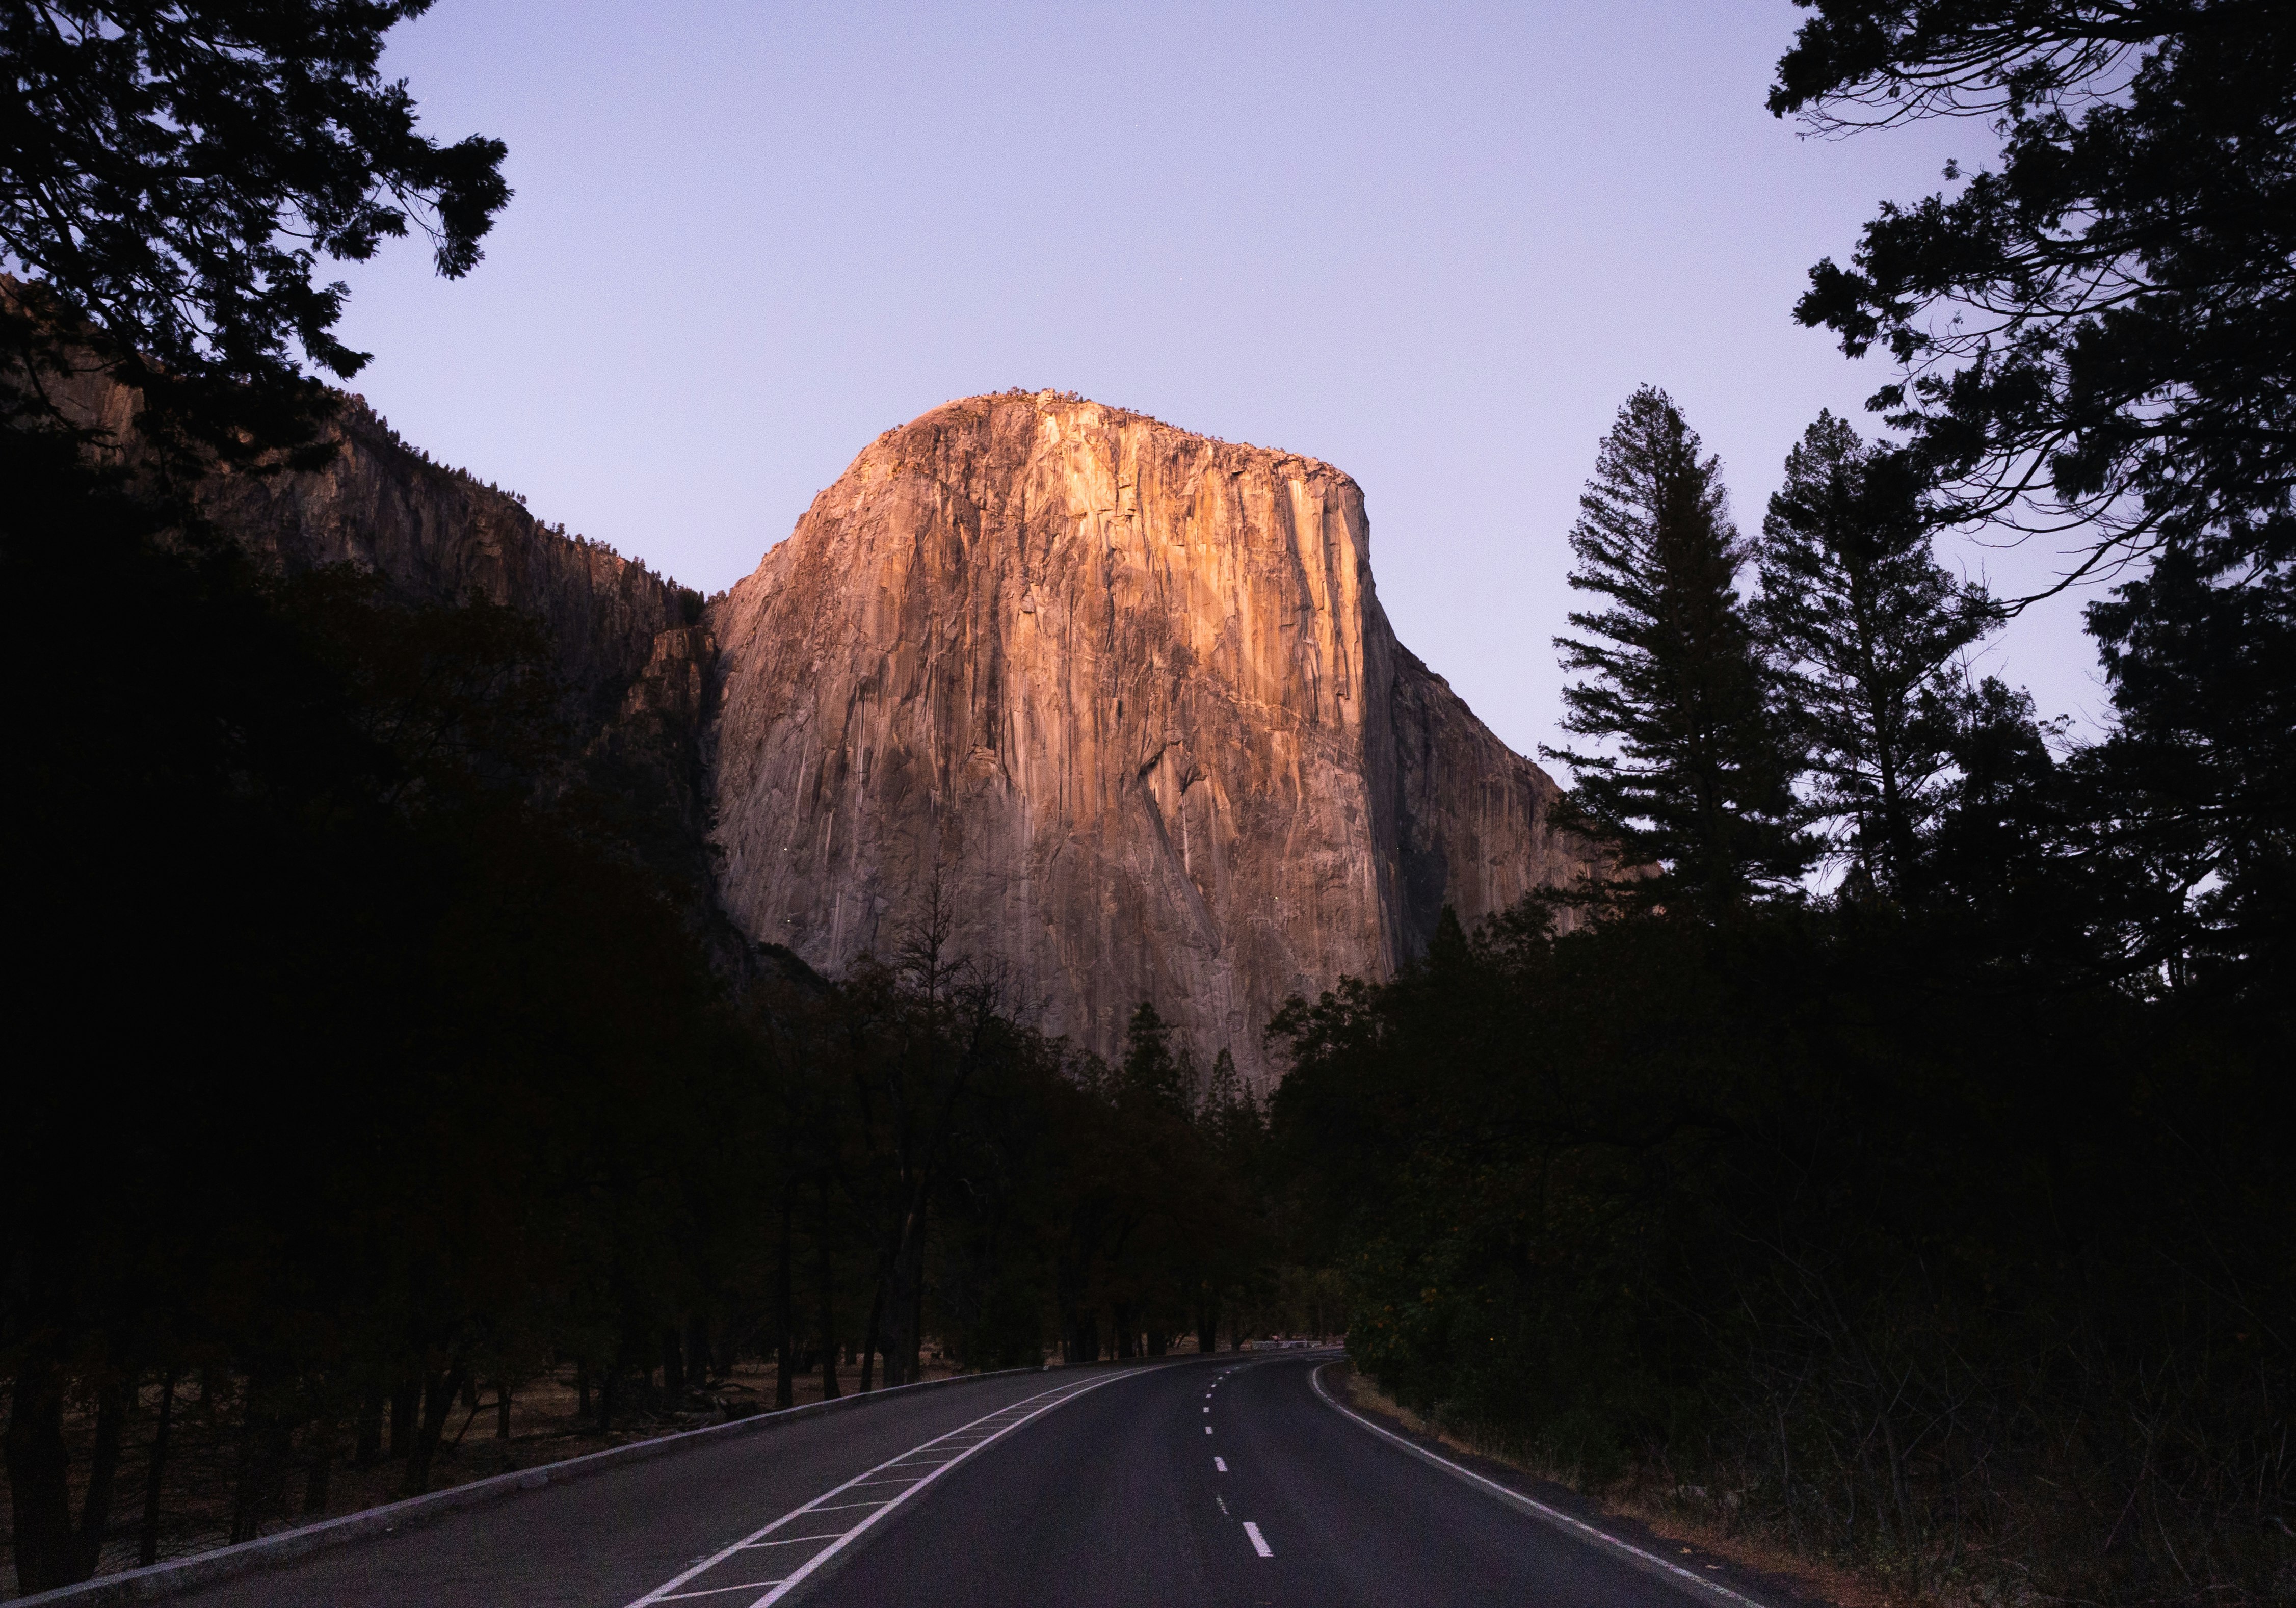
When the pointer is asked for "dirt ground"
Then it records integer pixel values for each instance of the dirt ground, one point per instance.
(1813, 1580)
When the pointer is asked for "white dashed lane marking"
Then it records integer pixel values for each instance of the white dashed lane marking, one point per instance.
(1258, 1542)
(1220, 1463)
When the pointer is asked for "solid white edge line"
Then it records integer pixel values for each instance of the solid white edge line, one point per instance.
(854, 1534)
(1530, 1505)
(1258, 1542)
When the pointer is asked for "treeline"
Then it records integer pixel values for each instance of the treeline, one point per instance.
(1899, 1162)
(1943, 1220)
(372, 1061)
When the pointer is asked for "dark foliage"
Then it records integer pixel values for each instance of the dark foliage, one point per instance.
(1882, 1250)
(171, 175)
(2124, 278)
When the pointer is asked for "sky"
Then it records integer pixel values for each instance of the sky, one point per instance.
(1434, 245)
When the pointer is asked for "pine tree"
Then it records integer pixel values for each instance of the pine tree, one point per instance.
(1700, 779)
(1150, 1069)
(1863, 626)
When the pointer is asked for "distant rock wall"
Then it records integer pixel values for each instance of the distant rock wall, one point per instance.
(1128, 693)
(435, 535)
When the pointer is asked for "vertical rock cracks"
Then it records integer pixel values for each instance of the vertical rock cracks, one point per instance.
(1130, 692)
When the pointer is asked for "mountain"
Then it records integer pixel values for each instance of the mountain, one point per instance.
(1126, 696)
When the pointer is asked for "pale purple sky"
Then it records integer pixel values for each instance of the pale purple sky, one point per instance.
(1436, 246)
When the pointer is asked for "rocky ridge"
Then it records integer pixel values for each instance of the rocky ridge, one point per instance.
(433, 534)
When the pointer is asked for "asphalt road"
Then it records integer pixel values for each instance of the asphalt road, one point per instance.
(1218, 1480)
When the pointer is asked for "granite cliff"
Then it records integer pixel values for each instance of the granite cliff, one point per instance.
(1129, 694)
(1125, 692)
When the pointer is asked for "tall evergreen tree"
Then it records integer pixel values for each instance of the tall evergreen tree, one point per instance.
(1699, 780)
(2198, 777)
(1864, 625)
(2095, 332)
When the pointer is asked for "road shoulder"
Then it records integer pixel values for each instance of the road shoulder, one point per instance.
(1735, 1571)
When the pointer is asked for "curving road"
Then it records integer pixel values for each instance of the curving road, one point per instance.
(1227, 1480)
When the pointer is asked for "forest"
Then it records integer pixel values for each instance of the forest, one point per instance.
(1889, 1156)
(1893, 1159)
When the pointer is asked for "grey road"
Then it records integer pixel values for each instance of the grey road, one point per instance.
(1216, 1481)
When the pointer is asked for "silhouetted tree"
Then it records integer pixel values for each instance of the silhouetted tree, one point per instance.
(1700, 782)
(2123, 281)
(2096, 336)
(1865, 626)
(170, 176)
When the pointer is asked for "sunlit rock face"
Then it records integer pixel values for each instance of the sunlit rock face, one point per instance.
(1129, 694)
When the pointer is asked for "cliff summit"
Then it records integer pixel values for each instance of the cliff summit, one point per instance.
(1128, 694)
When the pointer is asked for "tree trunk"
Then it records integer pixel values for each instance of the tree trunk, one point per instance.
(869, 1339)
(823, 1273)
(899, 1306)
(784, 1317)
(439, 1395)
(1208, 1316)
(319, 1470)
(1125, 1339)
(917, 1308)
(502, 1411)
(368, 1449)
(582, 1388)
(697, 1359)
(1081, 1337)
(147, 1540)
(262, 1458)
(405, 1398)
(37, 1473)
(102, 1473)
(673, 1369)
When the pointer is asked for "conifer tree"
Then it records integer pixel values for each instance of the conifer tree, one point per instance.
(1864, 625)
(1699, 780)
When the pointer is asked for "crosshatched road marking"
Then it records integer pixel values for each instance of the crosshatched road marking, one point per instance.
(1258, 1542)
(679, 1597)
(930, 1461)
